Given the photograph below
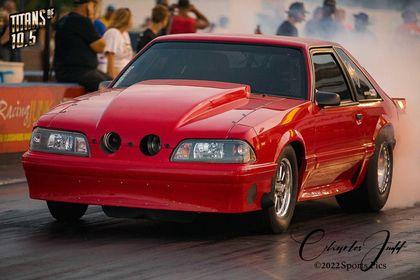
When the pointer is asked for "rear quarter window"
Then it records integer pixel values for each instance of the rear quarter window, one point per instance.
(329, 76)
(364, 88)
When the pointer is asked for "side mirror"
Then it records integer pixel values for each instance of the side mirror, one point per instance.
(324, 98)
(104, 84)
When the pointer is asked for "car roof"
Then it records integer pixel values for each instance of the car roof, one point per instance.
(298, 42)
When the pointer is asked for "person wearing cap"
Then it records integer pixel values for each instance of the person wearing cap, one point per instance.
(106, 18)
(76, 47)
(328, 26)
(410, 28)
(361, 23)
(312, 25)
(296, 14)
(101, 24)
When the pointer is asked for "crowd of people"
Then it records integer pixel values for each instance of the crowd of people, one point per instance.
(329, 22)
(91, 48)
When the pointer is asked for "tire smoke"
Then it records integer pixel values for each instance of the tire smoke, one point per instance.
(395, 65)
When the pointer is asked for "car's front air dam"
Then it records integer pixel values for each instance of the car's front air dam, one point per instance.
(170, 186)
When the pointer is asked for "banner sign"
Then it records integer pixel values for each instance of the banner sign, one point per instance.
(21, 106)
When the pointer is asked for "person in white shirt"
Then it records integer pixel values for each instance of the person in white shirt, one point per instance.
(118, 51)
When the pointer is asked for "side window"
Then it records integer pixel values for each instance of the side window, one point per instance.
(329, 76)
(364, 88)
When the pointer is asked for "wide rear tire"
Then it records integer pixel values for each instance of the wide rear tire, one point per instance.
(66, 212)
(372, 195)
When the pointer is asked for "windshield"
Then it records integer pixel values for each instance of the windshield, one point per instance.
(267, 69)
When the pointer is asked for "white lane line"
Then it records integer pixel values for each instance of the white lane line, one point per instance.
(12, 181)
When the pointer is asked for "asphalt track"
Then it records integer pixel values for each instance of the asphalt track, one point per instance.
(34, 246)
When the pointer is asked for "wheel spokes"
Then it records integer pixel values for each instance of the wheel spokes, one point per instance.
(282, 191)
(383, 168)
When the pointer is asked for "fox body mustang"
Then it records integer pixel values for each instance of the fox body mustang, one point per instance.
(221, 124)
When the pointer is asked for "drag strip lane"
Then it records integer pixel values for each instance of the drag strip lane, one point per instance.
(32, 245)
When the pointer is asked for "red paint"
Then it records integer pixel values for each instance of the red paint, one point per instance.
(335, 146)
(180, 24)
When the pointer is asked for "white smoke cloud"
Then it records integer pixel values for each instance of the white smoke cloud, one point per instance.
(395, 64)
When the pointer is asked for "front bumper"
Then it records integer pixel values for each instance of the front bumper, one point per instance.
(224, 188)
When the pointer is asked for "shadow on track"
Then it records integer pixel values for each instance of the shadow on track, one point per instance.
(207, 227)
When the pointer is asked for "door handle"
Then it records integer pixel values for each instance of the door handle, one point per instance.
(359, 116)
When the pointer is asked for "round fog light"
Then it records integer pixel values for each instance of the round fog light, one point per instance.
(111, 142)
(150, 145)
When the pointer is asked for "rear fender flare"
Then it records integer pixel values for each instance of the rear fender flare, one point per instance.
(384, 125)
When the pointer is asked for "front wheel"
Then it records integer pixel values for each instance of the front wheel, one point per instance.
(66, 212)
(372, 195)
(283, 192)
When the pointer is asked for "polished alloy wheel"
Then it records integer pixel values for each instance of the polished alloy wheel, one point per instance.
(384, 168)
(283, 188)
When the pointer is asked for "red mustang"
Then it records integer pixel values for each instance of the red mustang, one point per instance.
(222, 124)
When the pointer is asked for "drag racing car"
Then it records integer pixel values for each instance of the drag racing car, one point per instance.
(220, 124)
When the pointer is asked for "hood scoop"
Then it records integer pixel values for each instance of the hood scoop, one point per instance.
(172, 102)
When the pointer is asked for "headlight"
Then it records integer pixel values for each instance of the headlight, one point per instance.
(222, 151)
(60, 142)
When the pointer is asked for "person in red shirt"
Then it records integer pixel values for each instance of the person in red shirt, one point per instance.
(183, 23)
(410, 29)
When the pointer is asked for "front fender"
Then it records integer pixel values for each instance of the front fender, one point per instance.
(289, 136)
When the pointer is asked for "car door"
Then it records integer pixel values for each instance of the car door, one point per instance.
(369, 100)
(339, 138)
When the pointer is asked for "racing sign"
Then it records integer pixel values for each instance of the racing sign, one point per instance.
(21, 106)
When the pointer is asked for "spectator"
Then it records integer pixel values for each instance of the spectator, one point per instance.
(99, 25)
(170, 8)
(118, 51)
(146, 24)
(410, 27)
(328, 28)
(106, 19)
(6, 53)
(361, 23)
(160, 16)
(340, 18)
(4, 35)
(76, 46)
(312, 26)
(296, 14)
(183, 23)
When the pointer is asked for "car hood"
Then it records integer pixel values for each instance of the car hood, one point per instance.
(172, 109)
